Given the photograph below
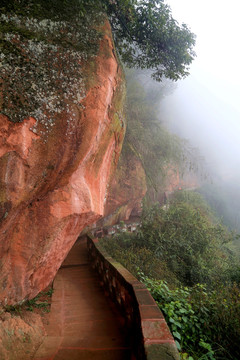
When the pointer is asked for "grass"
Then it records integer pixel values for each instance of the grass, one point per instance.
(41, 301)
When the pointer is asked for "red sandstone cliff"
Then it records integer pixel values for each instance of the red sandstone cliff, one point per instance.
(129, 187)
(126, 191)
(54, 171)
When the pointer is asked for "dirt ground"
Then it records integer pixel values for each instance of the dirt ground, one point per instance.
(22, 327)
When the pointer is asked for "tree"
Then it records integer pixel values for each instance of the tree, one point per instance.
(147, 36)
(145, 32)
(188, 237)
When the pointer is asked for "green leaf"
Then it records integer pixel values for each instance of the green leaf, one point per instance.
(177, 335)
(178, 345)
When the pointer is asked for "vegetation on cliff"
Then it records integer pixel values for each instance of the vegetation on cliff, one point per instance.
(43, 43)
(42, 52)
(152, 160)
(148, 37)
(159, 151)
(182, 254)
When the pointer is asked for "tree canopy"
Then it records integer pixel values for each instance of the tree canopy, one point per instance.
(147, 36)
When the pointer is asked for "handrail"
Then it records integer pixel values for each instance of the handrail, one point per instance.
(147, 328)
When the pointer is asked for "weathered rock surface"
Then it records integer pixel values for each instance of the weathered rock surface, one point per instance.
(127, 189)
(20, 337)
(174, 180)
(55, 168)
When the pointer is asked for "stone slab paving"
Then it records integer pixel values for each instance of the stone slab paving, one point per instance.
(83, 323)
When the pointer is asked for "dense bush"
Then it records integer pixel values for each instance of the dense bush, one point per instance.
(186, 237)
(181, 253)
(145, 32)
(205, 324)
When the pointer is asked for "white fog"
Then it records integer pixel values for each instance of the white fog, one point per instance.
(205, 107)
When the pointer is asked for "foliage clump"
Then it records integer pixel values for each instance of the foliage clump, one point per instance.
(43, 44)
(148, 37)
(181, 252)
(204, 323)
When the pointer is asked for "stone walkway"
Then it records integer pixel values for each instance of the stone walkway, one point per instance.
(83, 323)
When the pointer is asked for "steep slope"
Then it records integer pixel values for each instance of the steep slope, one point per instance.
(153, 163)
(126, 191)
(61, 134)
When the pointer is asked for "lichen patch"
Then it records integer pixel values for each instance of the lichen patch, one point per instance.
(42, 65)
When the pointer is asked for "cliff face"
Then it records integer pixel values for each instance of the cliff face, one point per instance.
(126, 191)
(129, 186)
(153, 161)
(56, 157)
(174, 180)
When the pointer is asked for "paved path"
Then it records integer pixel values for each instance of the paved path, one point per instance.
(83, 324)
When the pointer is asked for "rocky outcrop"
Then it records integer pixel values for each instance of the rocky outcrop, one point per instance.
(129, 187)
(126, 191)
(20, 337)
(55, 163)
(173, 180)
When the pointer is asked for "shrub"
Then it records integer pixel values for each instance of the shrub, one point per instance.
(205, 324)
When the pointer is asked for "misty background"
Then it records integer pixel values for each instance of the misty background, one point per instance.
(205, 108)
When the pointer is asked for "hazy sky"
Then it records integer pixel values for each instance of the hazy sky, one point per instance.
(205, 108)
